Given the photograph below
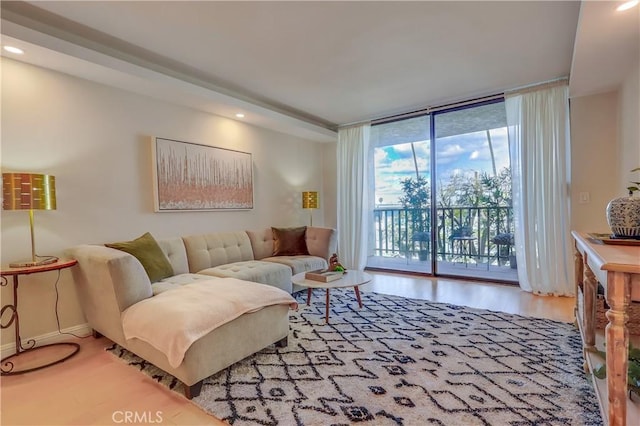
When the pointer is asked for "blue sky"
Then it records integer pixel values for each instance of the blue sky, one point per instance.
(459, 154)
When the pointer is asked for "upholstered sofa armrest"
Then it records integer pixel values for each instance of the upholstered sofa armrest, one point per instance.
(108, 282)
(322, 242)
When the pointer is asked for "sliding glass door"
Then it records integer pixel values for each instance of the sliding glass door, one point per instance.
(443, 194)
(473, 193)
(402, 193)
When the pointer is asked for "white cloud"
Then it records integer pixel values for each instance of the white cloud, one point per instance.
(460, 154)
(381, 157)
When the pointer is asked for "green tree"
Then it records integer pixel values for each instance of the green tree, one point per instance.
(415, 200)
(459, 196)
(416, 193)
(462, 193)
(496, 190)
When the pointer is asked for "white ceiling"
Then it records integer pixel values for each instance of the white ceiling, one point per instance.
(306, 67)
(607, 46)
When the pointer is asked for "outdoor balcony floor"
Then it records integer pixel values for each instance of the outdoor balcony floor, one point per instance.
(458, 268)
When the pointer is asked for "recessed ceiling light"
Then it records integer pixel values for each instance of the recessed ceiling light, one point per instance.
(15, 50)
(240, 115)
(627, 5)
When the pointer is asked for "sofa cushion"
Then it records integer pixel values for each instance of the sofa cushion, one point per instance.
(289, 241)
(261, 243)
(299, 263)
(174, 249)
(177, 281)
(150, 255)
(214, 249)
(275, 274)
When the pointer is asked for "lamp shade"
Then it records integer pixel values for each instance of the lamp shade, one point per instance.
(310, 200)
(28, 191)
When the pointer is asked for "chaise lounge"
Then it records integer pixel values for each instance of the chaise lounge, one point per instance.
(168, 321)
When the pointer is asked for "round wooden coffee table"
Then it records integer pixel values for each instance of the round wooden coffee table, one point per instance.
(350, 279)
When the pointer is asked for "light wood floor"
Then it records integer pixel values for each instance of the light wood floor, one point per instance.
(95, 388)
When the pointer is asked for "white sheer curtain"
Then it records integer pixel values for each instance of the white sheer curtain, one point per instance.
(538, 124)
(353, 189)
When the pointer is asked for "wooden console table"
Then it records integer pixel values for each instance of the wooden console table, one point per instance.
(617, 268)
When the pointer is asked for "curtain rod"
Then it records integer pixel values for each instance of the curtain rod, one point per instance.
(537, 86)
(428, 110)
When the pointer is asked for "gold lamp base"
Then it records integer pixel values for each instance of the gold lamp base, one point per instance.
(29, 263)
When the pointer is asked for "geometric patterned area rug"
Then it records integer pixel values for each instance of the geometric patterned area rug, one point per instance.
(400, 361)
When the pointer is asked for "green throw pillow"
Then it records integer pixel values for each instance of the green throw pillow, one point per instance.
(149, 253)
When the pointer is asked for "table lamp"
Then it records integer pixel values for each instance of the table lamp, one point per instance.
(310, 201)
(29, 191)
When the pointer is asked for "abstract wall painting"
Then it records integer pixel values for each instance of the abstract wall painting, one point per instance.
(194, 177)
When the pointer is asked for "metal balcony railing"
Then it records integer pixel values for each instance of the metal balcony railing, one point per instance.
(401, 232)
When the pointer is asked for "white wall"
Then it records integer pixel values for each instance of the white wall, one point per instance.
(629, 157)
(94, 140)
(594, 155)
(605, 146)
(330, 169)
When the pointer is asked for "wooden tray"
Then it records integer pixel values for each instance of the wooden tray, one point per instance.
(606, 239)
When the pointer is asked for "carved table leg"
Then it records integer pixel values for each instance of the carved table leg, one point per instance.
(590, 293)
(579, 273)
(617, 337)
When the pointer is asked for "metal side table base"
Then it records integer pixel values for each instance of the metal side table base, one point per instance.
(10, 313)
(7, 366)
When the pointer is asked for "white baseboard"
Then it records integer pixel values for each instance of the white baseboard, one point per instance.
(45, 339)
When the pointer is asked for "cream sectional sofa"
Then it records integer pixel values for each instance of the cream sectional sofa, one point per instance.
(112, 282)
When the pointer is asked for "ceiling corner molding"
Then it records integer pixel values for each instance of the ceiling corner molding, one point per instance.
(45, 30)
